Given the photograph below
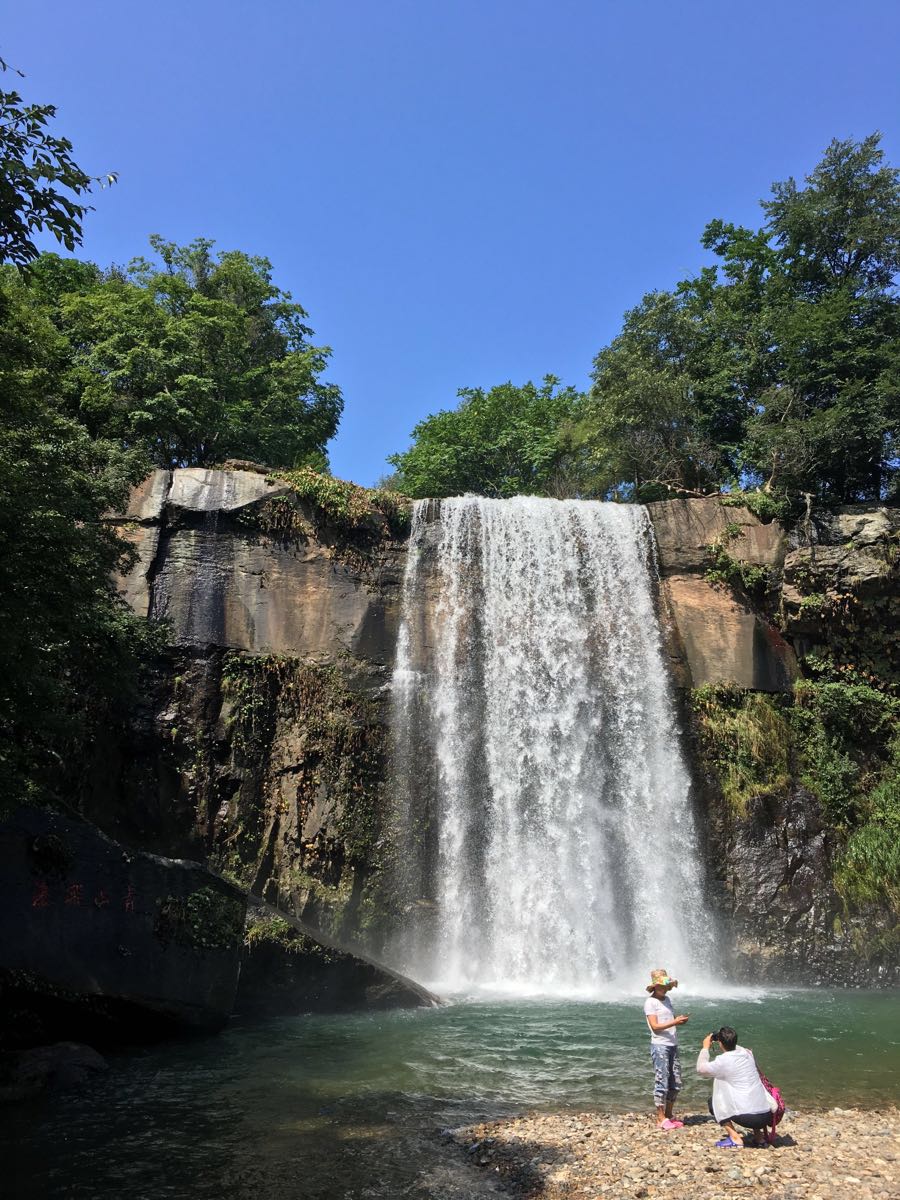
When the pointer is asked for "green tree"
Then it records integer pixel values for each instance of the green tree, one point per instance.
(824, 417)
(503, 442)
(665, 409)
(69, 647)
(777, 367)
(197, 358)
(40, 182)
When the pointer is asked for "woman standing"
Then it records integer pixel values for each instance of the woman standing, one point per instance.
(664, 1048)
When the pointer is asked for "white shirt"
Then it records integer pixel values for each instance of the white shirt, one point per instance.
(663, 1011)
(736, 1085)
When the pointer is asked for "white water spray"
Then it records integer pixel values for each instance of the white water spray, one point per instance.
(548, 840)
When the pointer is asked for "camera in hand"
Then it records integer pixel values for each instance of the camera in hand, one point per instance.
(714, 1037)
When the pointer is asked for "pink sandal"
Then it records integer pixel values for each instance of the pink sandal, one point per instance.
(669, 1123)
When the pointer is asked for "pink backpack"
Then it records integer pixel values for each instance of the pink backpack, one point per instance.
(776, 1095)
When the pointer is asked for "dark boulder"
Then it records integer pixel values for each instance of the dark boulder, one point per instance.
(63, 1065)
(95, 935)
(290, 968)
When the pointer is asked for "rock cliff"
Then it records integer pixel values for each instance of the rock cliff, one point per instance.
(797, 787)
(718, 636)
(261, 742)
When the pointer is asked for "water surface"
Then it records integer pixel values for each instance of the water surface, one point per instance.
(348, 1107)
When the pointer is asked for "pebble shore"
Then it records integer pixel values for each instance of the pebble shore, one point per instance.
(841, 1154)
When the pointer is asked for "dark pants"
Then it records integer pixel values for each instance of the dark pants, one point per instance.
(748, 1120)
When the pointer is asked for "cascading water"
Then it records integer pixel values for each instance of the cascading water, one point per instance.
(547, 838)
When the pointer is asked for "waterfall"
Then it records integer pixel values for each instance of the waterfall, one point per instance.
(547, 842)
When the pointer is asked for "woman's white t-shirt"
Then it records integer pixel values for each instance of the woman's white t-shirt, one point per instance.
(663, 1011)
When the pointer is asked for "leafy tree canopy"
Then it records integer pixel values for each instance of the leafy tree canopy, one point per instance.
(184, 359)
(780, 366)
(69, 647)
(502, 442)
(40, 182)
(777, 367)
(193, 356)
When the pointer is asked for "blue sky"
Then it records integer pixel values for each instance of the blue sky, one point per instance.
(459, 192)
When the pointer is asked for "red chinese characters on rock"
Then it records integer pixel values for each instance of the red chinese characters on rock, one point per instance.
(74, 896)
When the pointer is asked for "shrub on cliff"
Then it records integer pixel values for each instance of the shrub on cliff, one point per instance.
(841, 741)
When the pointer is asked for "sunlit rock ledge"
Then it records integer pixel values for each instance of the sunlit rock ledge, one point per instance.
(209, 566)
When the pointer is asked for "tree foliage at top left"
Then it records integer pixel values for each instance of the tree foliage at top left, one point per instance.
(41, 185)
(193, 356)
(186, 360)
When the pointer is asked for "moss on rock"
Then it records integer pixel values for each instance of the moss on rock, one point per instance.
(204, 920)
(306, 826)
(841, 742)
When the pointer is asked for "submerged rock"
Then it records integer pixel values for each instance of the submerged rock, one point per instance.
(63, 1065)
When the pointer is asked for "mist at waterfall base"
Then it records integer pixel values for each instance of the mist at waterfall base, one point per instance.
(542, 796)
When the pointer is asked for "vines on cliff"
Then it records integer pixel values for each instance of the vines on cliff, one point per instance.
(724, 568)
(745, 742)
(204, 920)
(347, 505)
(762, 504)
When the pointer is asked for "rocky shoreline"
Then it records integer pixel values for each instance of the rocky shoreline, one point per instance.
(580, 1156)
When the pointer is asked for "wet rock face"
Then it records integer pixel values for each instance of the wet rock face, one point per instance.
(772, 872)
(723, 639)
(86, 920)
(270, 774)
(220, 589)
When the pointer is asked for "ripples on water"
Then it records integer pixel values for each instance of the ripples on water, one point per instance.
(346, 1107)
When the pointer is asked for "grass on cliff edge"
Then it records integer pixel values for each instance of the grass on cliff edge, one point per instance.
(347, 505)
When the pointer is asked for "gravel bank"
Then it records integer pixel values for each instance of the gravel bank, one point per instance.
(834, 1155)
